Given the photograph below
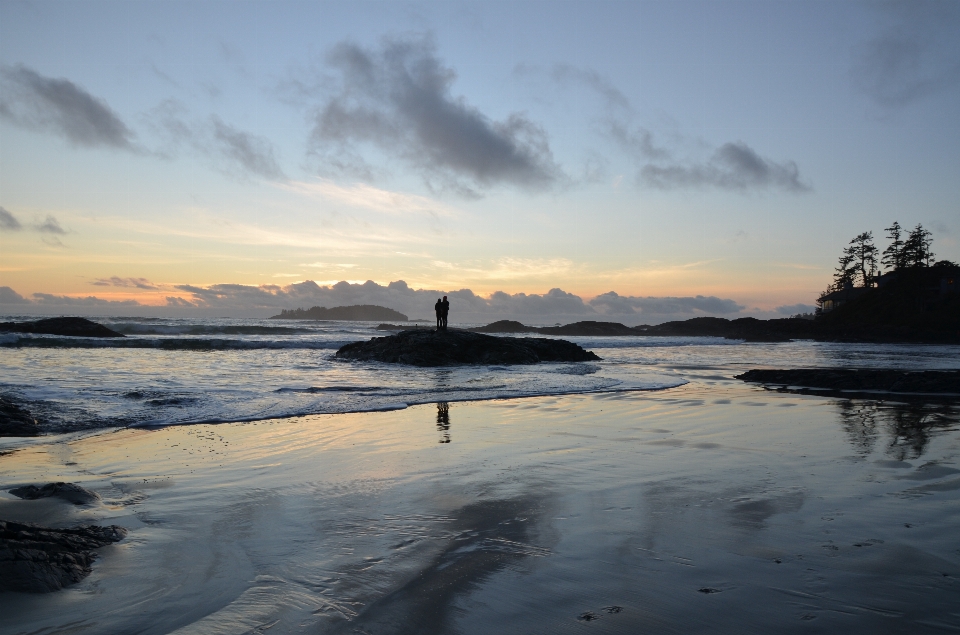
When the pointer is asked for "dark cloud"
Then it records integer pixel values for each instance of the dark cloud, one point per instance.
(794, 309)
(233, 151)
(61, 107)
(398, 100)
(50, 226)
(611, 303)
(116, 281)
(916, 55)
(9, 221)
(733, 166)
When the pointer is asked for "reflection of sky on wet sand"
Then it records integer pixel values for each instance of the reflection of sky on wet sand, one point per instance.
(714, 507)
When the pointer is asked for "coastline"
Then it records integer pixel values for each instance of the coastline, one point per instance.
(552, 511)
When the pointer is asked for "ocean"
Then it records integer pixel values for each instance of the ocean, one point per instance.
(647, 492)
(170, 371)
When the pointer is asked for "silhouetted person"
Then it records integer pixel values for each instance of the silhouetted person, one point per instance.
(438, 307)
(444, 311)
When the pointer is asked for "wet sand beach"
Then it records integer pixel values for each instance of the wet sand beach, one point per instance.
(715, 507)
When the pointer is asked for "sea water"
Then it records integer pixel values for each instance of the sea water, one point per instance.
(188, 370)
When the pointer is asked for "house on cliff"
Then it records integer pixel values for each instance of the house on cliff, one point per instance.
(841, 296)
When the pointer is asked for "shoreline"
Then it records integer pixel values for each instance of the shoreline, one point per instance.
(549, 508)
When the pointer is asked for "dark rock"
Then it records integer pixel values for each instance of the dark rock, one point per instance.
(588, 328)
(67, 491)
(69, 326)
(927, 381)
(37, 559)
(16, 421)
(505, 326)
(449, 348)
(749, 329)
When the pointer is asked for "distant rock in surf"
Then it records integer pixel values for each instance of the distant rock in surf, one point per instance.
(70, 492)
(37, 559)
(450, 348)
(68, 326)
(588, 327)
(505, 326)
(16, 421)
(899, 381)
(355, 313)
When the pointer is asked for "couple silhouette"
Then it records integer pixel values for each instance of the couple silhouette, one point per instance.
(442, 307)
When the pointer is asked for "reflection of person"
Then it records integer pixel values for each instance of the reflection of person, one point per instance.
(444, 310)
(443, 421)
(438, 307)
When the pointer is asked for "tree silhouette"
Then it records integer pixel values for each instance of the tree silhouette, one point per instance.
(916, 248)
(864, 258)
(845, 274)
(858, 264)
(893, 254)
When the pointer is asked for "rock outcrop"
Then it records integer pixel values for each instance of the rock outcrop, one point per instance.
(451, 348)
(505, 326)
(588, 327)
(37, 559)
(927, 381)
(70, 492)
(16, 421)
(69, 326)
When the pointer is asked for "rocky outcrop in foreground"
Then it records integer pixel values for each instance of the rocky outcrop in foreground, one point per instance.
(69, 326)
(70, 492)
(16, 421)
(450, 348)
(37, 559)
(927, 381)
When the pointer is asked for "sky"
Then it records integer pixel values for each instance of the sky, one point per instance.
(627, 161)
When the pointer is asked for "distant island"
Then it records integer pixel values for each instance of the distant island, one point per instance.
(355, 313)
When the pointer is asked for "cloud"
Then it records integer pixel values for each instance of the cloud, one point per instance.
(611, 303)
(915, 56)
(9, 296)
(362, 196)
(233, 151)
(638, 143)
(48, 299)
(116, 281)
(565, 74)
(398, 100)
(793, 309)
(50, 226)
(555, 305)
(9, 221)
(251, 153)
(733, 166)
(61, 107)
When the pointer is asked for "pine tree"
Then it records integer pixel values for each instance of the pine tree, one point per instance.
(845, 273)
(864, 259)
(916, 248)
(893, 254)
